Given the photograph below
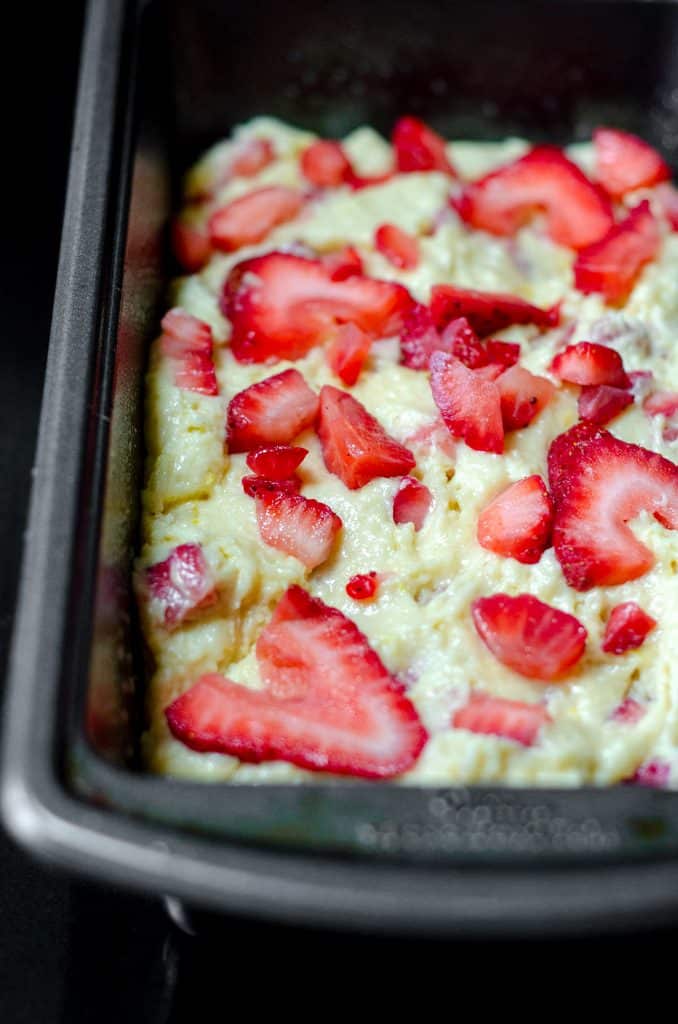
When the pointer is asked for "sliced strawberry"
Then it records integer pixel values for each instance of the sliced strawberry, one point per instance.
(190, 243)
(363, 586)
(274, 411)
(188, 342)
(544, 180)
(629, 712)
(418, 147)
(589, 363)
(418, 337)
(260, 486)
(487, 312)
(523, 396)
(460, 340)
(343, 263)
(281, 305)
(598, 484)
(517, 523)
(661, 403)
(530, 637)
(600, 403)
(625, 162)
(626, 628)
(412, 502)
(325, 164)
(347, 353)
(504, 353)
(490, 371)
(470, 406)
(329, 702)
(355, 446)
(433, 436)
(276, 461)
(179, 587)
(399, 248)
(250, 218)
(494, 716)
(298, 526)
(612, 265)
(655, 774)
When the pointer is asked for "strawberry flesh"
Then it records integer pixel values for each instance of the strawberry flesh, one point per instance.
(625, 162)
(325, 164)
(276, 461)
(273, 411)
(179, 587)
(517, 523)
(655, 774)
(347, 353)
(487, 312)
(629, 712)
(363, 586)
(190, 243)
(528, 636)
(418, 148)
(661, 403)
(297, 525)
(187, 341)
(343, 263)
(249, 219)
(590, 363)
(503, 353)
(419, 338)
(523, 395)
(260, 486)
(460, 340)
(495, 716)
(613, 264)
(412, 503)
(600, 403)
(626, 628)
(399, 248)
(470, 406)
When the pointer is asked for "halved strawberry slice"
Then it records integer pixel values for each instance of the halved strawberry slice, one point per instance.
(343, 263)
(517, 523)
(347, 352)
(399, 248)
(329, 703)
(281, 305)
(188, 342)
(469, 405)
(589, 363)
(260, 486)
(178, 588)
(325, 164)
(626, 628)
(487, 312)
(190, 242)
(504, 353)
(661, 403)
(363, 586)
(598, 484)
(612, 265)
(250, 218)
(418, 147)
(600, 403)
(523, 395)
(355, 446)
(495, 716)
(412, 502)
(276, 461)
(273, 411)
(530, 637)
(544, 180)
(625, 162)
(298, 526)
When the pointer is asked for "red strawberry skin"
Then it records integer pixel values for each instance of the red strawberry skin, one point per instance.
(261, 486)
(470, 406)
(329, 704)
(419, 148)
(626, 628)
(517, 523)
(250, 218)
(494, 716)
(504, 353)
(179, 587)
(577, 211)
(523, 395)
(530, 637)
(325, 164)
(399, 248)
(412, 503)
(599, 484)
(355, 446)
(612, 265)
(273, 411)
(281, 305)
(276, 461)
(297, 526)
(590, 363)
(600, 403)
(347, 353)
(188, 342)
(625, 162)
(487, 312)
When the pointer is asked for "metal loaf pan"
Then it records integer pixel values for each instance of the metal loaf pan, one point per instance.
(158, 83)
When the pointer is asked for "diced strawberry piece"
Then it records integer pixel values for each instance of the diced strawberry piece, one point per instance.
(347, 353)
(530, 637)
(399, 248)
(190, 243)
(599, 484)
(599, 403)
(495, 716)
(666, 197)
(329, 702)
(470, 406)
(433, 436)
(297, 526)
(276, 461)
(626, 628)
(487, 312)
(629, 712)
(251, 217)
(412, 502)
(419, 148)
(490, 371)
(661, 403)
(260, 486)
(655, 774)
(363, 586)
(504, 353)
(274, 411)
(281, 305)
(418, 338)
(523, 396)
(343, 263)
(625, 162)
(188, 342)
(179, 587)
(517, 523)
(589, 363)
(325, 164)
(612, 265)
(251, 156)
(544, 180)
(460, 340)
(355, 446)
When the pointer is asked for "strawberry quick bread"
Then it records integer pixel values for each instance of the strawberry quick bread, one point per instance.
(412, 495)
